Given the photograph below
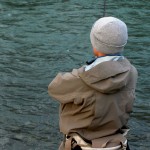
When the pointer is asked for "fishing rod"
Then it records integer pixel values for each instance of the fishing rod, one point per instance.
(104, 12)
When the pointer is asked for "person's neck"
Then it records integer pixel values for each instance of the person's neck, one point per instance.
(98, 53)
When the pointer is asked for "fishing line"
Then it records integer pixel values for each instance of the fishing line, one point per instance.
(104, 12)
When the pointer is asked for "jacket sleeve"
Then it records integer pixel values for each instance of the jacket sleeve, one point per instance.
(66, 87)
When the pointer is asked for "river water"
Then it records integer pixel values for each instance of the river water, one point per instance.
(38, 39)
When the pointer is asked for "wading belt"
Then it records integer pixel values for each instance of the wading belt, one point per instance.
(75, 142)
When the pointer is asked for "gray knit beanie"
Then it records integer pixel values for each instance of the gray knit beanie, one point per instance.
(109, 35)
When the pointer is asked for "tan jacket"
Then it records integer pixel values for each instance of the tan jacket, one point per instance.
(97, 102)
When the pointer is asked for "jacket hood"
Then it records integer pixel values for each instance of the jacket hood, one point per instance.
(108, 77)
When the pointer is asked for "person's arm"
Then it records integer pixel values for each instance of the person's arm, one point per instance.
(66, 87)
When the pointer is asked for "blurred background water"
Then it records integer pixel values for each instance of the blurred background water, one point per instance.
(38, 39)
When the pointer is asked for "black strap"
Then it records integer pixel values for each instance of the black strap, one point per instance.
(74, 145)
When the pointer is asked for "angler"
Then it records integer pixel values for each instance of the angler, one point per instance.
(96, 100)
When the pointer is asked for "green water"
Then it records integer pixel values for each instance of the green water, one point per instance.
(38, 39)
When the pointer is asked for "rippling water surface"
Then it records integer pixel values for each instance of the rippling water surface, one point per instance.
(38, 39)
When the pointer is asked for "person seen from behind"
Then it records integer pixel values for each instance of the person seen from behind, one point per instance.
(96, 100)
